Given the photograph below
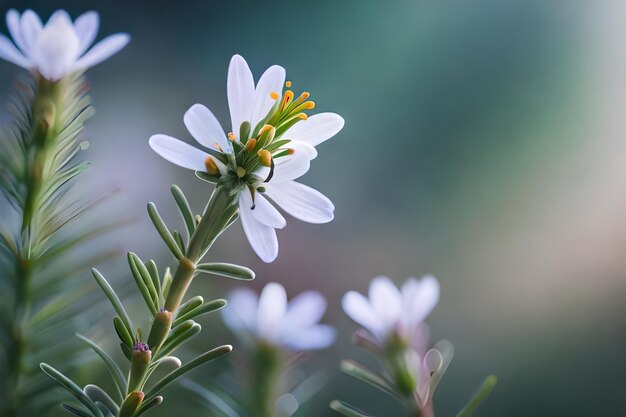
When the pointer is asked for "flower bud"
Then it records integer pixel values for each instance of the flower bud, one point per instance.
(265, 157)
(139, 362)
(131, 404)
(251, 144)
(160, 329)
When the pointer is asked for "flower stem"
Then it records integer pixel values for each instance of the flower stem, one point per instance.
(45, 125)
(265, 380)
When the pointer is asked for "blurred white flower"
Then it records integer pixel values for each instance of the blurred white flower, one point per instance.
(427, 371)
(271, 319)
(59, 47)
(389, 311)
(271, 144)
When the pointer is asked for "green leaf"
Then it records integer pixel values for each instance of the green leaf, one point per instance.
(203, 309)
(164, 232)
(189, 305)
(114, 370)
(185, 210)
(178, 336)
(147, 405)
(76, 411)
(226, 270)
(483, 392)
(98, 395)
(156, 281)
(115, 301)
(346, 409)
(122, 332)
(72, 388)
(144, 282)
(360, 372)
(200, 360)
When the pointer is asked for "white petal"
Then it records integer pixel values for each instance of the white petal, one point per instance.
(263, 211)
(302, 202)
(179, 152)
(103, 50)
(13, 24)
(288, 168)
(86, 27)
(57, 47)
(241, 311)
(304, 310)
(272, 308)
(316, 129)
(9, 52)
(60, 16)
(358, 308)
(31, 27)
(386, 300)
(271, 81)
(262, 238)
(302, 147)
(205, 128)
(240, 89)
(315, 337)
(423, 300)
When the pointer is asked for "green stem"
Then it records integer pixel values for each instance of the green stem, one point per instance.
(46, 119)
(265, 381)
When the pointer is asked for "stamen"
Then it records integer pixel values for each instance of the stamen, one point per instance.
(288, 84)
(265, 157)
(211, 166)
(287, 99)
(231, 136)
(251, 144)
(241, 172)
(218, 147)
(302, 116)
(274, 95)
(291, 151)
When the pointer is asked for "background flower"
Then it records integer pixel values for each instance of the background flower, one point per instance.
(59, 47)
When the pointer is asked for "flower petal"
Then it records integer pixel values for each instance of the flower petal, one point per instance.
(288, 168)
(272, 80)
(316, 129)
(179, 152)
(205, 128)
(241, 311)
(262, 238)
(358, 308)
(302, 202)
(31, 27)
(304, 310)
(314, 337)
(422, 299)
(386, 300)
(263, 211)
(103, 50)
(240, 89)
(13, 24)
(86, 27)
(9, 52)
(272, 308)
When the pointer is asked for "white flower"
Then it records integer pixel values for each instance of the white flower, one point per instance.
(59, 47)
(390, 310)
(271, 319)
(271, 144)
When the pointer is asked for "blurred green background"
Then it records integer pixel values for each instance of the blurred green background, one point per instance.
(484, 143)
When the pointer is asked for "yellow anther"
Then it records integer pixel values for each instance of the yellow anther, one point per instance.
(302, 116)
(218, 147)
(274, 95)
(241, 172)
(265, 157)
(291, 151)
(250, 145)
(266, 128)
(287, 99)
(211, 166)
(231, 136)
(304, 95)
(288, 84)
(309, 105)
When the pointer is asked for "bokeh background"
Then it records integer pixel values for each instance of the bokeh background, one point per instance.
(484, 143)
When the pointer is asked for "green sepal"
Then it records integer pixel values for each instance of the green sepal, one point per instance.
(244, 131)
(206, 308)
(213, 179)
(346, 409)
(72, 388)
(483, 392)
(116, 373)
(226, 270)
(163, 231)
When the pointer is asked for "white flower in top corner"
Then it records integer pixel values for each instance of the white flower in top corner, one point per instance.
(269, 318)
(391, 311)
(271, 144)
(59, 47)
